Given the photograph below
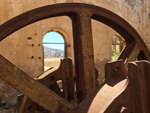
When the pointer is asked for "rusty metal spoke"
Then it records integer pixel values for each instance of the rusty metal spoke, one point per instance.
(84, 55)
(133, 55)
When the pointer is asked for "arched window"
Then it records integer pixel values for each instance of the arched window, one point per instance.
(54, 49)
(118, 43)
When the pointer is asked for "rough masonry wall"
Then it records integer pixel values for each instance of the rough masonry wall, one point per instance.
(17, 49)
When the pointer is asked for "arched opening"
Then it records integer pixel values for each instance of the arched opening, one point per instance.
(118, 43)
(54, 49)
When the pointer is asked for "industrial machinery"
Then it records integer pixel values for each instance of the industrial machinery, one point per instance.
(127, 80)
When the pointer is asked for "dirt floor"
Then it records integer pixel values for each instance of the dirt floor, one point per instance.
(7, 111)
(51, 62)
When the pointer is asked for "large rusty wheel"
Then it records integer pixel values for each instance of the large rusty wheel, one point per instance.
(81, 15)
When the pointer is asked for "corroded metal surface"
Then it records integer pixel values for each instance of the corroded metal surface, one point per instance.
(86, 80)
(123, 93)
(49, 79)
(115, 94)
(64, 73)
(140, 86)
(30, 87)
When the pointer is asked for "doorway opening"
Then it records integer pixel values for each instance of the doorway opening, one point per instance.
(118, 44)
(54, 49)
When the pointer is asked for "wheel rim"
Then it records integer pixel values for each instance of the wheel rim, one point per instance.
(81, 15)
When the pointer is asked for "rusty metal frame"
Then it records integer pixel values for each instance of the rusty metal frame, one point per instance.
(33, 89)
(81, 15)
(49, 78)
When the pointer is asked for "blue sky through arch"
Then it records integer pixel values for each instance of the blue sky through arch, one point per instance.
(53, 37)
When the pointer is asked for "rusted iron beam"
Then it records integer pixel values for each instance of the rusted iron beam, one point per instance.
(30, 87)
(134, 54)
(84, 53)
(116, 68)
(67, 79)
(139, 76)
